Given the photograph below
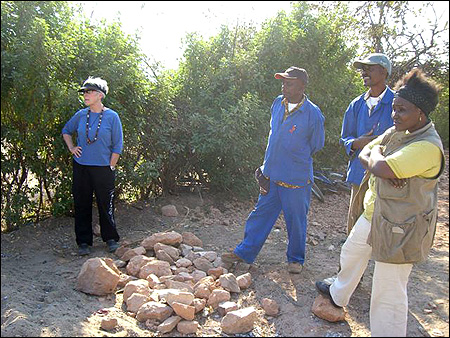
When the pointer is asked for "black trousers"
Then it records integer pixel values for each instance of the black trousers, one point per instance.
(86, 181)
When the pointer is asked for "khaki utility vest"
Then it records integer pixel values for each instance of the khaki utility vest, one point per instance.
(404, 220)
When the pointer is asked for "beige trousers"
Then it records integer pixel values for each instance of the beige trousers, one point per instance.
(389, 300)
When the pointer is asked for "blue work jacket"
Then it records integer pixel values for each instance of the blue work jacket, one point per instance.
(292, 143)
(357, 122)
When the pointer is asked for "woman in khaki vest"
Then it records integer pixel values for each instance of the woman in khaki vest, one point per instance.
(395, 210)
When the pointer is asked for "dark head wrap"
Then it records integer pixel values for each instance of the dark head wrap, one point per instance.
(418, 90)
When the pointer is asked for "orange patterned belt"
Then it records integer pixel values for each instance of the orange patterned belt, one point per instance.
(290, 186)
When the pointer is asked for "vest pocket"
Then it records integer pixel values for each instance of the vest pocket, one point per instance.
(401, 243)
(428, 220)
(386, 190)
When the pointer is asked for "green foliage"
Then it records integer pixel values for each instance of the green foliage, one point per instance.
(206, 122)
(32, 101)
(439, 72)
(239, 64)
(46, 55)
(228, 122)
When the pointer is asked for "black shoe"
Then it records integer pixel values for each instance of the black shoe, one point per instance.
(112, 245)
(324, 289)
(83, 249)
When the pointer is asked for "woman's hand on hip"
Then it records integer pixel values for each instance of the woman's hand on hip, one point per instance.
(76, 151)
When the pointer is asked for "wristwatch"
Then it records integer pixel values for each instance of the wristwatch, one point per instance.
(112, 167)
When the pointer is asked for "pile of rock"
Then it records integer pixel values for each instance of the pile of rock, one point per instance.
(169, 279)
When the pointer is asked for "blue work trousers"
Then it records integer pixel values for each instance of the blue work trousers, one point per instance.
(295, 205)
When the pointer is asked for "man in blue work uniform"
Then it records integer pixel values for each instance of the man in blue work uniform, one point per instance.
(367, 116)
(297, 132)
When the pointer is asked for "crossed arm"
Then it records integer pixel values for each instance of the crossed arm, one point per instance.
(374, 161)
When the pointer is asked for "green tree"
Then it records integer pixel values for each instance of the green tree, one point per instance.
(388, 27)
(227, 88)
(35, 43)
(47, 52)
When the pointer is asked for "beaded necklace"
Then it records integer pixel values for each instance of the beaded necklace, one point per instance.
(87, 127)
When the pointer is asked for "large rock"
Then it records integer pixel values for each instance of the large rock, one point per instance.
(217, 272)
(163, 294)
(203, 288)
(135, 301)
(227, 306)
(218, 296)
(198, 275)
(137, 286)
(108, 324)
(229, 282)
(185, 277)
(154, 310)
(169, 324)
(123, 248)
(183, 263)
(130, 253)
(209, 255)
(190, 239)
(169, 211)
(270, 306)
(185, 311)
(187, 326)
(202, 264)
(170, 238)
(185, 249)
(156, 267)
(136, 263)
(97, 278)
(244, 281)
(173, 252)
(180, 297)
(323, 308)
(239, 321)
(164, 256)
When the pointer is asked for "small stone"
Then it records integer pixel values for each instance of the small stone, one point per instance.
(227, 306)
(169, 324)
(169, 211)
(270, 306)
(187, 326)
(109, 323)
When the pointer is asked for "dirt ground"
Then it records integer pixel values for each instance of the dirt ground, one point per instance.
(39, 269)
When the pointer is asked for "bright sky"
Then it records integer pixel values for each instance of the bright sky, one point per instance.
(162, 25)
